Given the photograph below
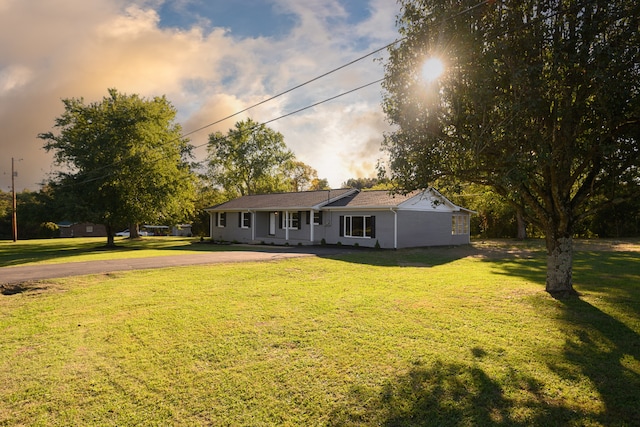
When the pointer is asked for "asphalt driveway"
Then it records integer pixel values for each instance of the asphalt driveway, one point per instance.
(25, 273)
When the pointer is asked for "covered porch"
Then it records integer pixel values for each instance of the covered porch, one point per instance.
(283, 227)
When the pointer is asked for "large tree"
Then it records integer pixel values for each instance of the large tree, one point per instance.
(301, 176)
(250, 159)
(539, 100)
(126, 161)
(319, 184)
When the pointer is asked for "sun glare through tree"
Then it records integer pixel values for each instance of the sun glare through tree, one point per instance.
(432, 69)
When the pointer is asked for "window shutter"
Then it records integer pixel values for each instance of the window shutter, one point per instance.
(300, 220)
(280, 215)
(373, 226)
(239, 219)
(320, 218)
(309, 217)
(250, 216)
(341, 225)
(216, 221)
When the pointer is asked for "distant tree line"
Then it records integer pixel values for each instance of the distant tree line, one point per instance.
(39, 211)
(35, 214)
(497, 218)
(130, 166)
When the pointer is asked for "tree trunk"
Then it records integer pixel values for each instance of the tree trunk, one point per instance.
(134, 231)
(110, 238)
(522, 225)
(560, 266)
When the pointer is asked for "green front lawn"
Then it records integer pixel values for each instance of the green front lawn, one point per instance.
(442, 336)
(48, 251)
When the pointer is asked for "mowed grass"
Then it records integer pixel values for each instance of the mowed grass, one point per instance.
(441, 336)
(50, 251)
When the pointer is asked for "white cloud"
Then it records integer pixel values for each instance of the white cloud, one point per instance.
(13, 77)
(380, 28)
(76, 48)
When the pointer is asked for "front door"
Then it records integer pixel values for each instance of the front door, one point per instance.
(272, 223)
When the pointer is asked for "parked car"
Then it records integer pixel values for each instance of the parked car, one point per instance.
(126, 233)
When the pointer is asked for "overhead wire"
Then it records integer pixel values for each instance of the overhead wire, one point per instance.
(305, 83)
(271, 98)
(258, 125)
(334, 70)
(294, 88)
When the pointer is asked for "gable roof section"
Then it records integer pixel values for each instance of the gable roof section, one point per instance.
(280, 201)
(371, 199)
(419, 200)
(342, 199)
(429, 200)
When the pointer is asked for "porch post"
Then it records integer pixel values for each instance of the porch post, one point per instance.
(253, 226)
(211, 223)
(395, 229)
(286, 226)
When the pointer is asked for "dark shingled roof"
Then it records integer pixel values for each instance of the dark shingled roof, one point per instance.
(373, 198)
(301, 200)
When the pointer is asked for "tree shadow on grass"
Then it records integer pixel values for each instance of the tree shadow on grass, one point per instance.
(607, 351)
(449, 394)
(27, 252)
(415, 257)
(32, 252)
(602, 346)
(601, 351)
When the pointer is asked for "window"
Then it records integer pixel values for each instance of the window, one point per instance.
(89, 229)
(460, 224)
(317, 218)
(363, 226)
(221, 219)
(292, 222)
(245, 219)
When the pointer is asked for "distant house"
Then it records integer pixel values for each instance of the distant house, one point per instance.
(345, 216)
(181, 230)
(81, 229)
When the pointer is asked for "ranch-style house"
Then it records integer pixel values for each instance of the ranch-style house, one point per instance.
(343, 216)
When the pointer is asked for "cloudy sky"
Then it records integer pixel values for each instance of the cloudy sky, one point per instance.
(211, 58)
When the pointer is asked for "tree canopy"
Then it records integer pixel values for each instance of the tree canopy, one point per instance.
(368, 183)
(5, 203)
(539, 100)
(253, 159)
(300, 175)
(125, 161)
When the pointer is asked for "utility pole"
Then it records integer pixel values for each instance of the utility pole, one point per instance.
(14, 216)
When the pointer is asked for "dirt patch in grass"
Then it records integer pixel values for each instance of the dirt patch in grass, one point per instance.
(29, 287)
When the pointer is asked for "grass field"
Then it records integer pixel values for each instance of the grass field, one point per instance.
(440, 336)
(48, 251)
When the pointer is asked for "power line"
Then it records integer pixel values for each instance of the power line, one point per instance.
(326, 100)
(315, 104)
(334, 70)
(321, 76)
(294, 88)
(262, 123)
